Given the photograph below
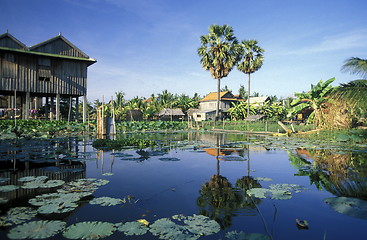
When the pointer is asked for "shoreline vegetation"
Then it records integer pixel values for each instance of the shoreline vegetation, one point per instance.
(27, 129)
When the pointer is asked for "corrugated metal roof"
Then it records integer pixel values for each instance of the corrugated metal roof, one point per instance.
(171, 112)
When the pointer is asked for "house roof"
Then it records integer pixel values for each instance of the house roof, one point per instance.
(22, 48)
(258, 99)
(36, 47)
(171, 112)
(224, 96)
(13, 41)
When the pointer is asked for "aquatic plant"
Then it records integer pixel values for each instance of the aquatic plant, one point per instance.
(169, 159)
(33, 179)
(235, 235)
(36, 230)
(40, 184)
(132, 228)
(17, 215)
(8, 188)
(106, 201)
(184, 227)
(89, 230)
(353, 207)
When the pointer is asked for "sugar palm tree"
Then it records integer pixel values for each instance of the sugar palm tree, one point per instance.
(252, 60)
(355, 65)
(219, 53)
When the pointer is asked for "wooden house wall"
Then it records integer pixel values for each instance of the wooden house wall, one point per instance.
(22, 72)
(59, 47)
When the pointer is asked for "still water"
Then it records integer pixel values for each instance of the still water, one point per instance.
(252, 187)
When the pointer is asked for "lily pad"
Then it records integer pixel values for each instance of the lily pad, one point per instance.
(106, 201)
(169, 159)
(132, 228)
(234, 235)
(350, 206)
(17, 215)
(33, 178)
(8, 188)
(57, 208)
(3, 180)
(89, 230)
(40, 184)
(232, 158)
(54, 198)
(190, 227)
(36, 230)
(257, 192)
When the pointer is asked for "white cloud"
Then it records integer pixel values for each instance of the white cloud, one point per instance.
(337, 42)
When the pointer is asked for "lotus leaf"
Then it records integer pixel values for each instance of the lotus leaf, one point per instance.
(17, 215)
(33, 178)
(263, 179)
(106, 201)
(3, 180)
(234, 235)
(257, 192)
(89, 230)
(350, 206)
(54, 198)
(61, 207)
(167, 159)
(8, 188)
(36, 230)
(287, 187)
(132, 228)
(201, 225)
(164, 228)
(231, 158)
(194, 227)
(280, 194)
(107, 174)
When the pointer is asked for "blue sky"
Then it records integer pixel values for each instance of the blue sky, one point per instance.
(147, 46)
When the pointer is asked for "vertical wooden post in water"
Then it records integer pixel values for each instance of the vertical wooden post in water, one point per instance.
(84, 109)
(76, 109)
(57, 106)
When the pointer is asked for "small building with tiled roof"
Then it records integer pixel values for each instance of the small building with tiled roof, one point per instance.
(208, 105)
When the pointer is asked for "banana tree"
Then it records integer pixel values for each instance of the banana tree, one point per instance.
(314, 101)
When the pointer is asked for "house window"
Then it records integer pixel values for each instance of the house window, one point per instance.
(198, 115)
(44, 69)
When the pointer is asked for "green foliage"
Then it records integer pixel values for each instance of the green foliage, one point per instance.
(350, 206)
(89, 230)
(314, 100)
(355, 65)
(36, 230)
(121, 143)
(38, 128)
(131, 126)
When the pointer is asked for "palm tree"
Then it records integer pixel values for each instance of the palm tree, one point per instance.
(252, 61)
(355, 65)
(219, 53)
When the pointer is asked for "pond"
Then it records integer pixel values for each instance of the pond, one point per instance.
(189, 185)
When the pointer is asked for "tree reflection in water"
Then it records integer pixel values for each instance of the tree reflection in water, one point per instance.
(340, 173)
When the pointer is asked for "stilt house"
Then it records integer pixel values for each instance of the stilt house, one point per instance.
(48, 71)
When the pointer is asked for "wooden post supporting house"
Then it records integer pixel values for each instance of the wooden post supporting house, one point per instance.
(52, 69)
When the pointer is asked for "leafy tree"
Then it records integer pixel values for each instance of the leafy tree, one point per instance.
(242, 92)
(315, 100)
(219, 53)
(355, 65)
(252, 60)
(225, 89)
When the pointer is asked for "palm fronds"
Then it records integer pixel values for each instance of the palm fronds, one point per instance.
(355, 65)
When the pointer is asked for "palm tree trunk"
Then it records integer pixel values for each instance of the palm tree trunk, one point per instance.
(248, 96)
(218, 97)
